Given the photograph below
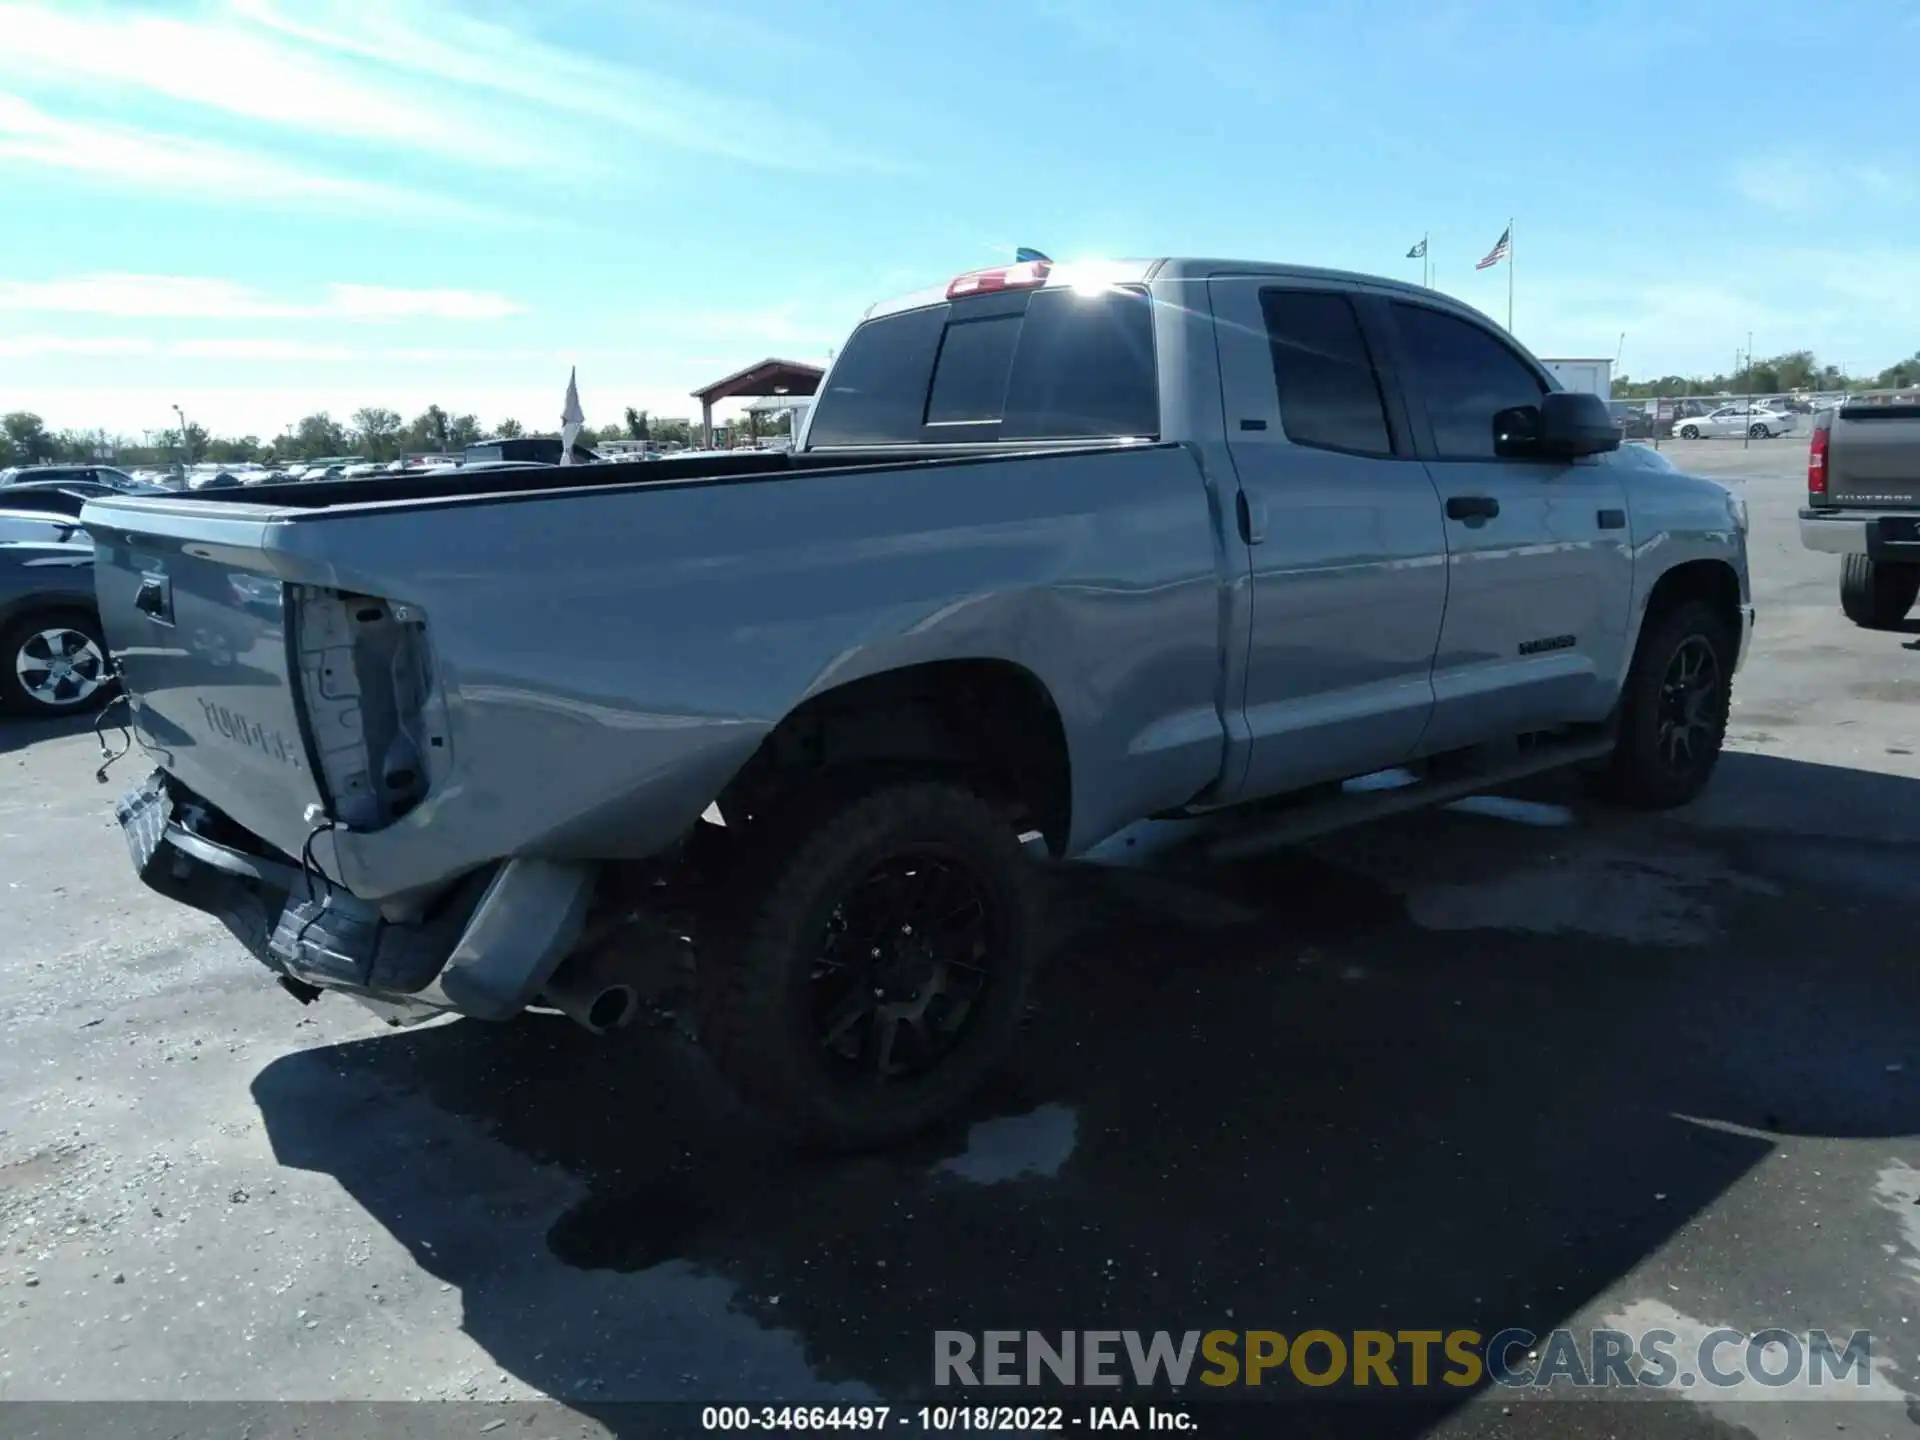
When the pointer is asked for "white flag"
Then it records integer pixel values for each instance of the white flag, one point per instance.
(571, 417)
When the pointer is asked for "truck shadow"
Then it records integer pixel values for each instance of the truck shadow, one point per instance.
(22, 732)
(1458, 1071)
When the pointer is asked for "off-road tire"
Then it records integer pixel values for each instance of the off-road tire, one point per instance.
(1638, 773)
(754, 963)
(1877, 595)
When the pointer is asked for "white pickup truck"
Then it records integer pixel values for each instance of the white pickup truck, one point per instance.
(1057, 550)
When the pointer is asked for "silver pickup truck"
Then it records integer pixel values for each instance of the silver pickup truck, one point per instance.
(1863, 503)
(1058, 550)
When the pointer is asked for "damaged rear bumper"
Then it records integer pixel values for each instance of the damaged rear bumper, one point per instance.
(484, 949)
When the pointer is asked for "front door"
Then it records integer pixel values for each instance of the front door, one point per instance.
(1539, 561)
(1344, 531)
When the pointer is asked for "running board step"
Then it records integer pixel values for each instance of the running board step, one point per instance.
(1268, 827)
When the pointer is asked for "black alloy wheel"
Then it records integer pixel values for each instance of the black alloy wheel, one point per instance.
(868, 960)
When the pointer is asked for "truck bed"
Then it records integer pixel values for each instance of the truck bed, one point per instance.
(400, 680)
(531, 478)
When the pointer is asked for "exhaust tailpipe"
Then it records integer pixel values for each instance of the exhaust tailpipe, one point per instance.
(589, 991)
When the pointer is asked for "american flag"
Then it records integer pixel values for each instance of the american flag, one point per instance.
(1500, 251)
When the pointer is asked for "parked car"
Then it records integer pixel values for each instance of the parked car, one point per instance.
(104, 475)
(53, 660)
(1863, 504)
(1040, 567)
(65, 497)
(1742, 419)
(1634, 421)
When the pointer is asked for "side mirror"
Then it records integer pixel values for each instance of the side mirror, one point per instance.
(1565, 425)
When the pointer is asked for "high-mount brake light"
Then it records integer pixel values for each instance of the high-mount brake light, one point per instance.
(1024, 276)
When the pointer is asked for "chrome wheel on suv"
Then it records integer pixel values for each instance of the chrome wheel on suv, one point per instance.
(51, 665)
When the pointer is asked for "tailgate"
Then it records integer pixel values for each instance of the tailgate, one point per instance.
(1873, 456)
(195, 616)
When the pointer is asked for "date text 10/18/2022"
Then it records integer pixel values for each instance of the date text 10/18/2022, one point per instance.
(995, 1419)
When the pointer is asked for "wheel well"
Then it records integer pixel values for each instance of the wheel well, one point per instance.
(990, 721)
(1712, 582)
(40, 610)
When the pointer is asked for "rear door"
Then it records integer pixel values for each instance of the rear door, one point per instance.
(1345, 535)
(1540, 560)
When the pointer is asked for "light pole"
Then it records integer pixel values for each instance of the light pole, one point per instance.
(185, 455)
(1746, 435)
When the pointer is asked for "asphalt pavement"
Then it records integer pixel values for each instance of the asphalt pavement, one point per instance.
(1522, 1062)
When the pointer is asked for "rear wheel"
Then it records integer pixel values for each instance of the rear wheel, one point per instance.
(1673, 711)
(876, 963)
(1689, 432)
(1875, 594)
(53, 664)
(1760, 432)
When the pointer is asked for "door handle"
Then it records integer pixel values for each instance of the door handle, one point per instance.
(1252, 515)
(1472, 507)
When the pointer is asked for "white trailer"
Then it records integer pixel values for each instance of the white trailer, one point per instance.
(1593, 376)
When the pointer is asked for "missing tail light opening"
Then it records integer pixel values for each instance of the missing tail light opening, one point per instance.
(374, 704)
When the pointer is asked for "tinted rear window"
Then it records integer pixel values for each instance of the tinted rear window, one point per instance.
(1329, 393)
(876, 393)
(1059, 366)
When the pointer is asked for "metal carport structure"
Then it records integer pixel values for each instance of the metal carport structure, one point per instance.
(766, 378)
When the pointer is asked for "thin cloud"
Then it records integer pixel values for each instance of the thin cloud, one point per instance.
(1860, 308)
(28, 347)
(249, 348)
(128, 158)
(1790, 182)
(185, 297)
(429, 39)
(246, 73)
(376, 303)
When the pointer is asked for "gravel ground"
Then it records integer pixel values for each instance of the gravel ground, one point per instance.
(1518, 1062)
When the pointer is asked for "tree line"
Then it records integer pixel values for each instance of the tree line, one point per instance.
(1797, 370)
(374, 433)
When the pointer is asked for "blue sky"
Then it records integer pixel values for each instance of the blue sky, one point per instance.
(255, 208)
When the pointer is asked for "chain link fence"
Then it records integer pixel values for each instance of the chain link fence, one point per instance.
(1712, 417)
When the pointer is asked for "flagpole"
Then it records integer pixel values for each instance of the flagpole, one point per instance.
(1426, 261)
(1509, 275)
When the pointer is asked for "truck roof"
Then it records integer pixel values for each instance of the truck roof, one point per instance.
(1135, 272)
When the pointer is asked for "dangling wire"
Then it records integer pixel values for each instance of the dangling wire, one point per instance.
(110, 758)
(310, 867)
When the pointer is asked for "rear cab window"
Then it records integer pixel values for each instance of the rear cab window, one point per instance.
(1047, 364)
